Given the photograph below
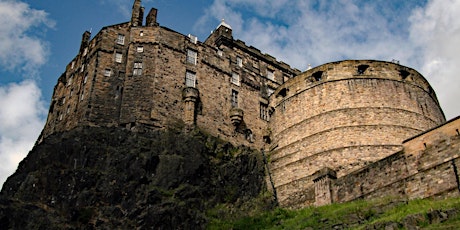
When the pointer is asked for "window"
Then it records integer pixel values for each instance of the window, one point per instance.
(141, 33)
(121, 39)
(68, 109)
(82, 68)
(82, 96)
(118, 57)
(85, 51)
(220, 52)
(318, 76)
(85, 79)
(140, 49)
(264, 114)
(404, 74)
(270, 91)
(69, 82)
(362, 69)
(193, 39)
(137, 71)
(191, 57)
(235, 79)
(190, 79)
(234, 98)
(73, 65)
(239, 62)
(107, 72)
(249, 135)
(271, 74)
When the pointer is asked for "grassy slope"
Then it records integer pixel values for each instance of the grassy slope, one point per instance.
(375, 214)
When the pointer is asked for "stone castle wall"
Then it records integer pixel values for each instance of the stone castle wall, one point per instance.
(344, 115)
(101, 85)
(426, 167)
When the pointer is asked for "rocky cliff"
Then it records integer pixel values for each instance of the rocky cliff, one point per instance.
(93, 177)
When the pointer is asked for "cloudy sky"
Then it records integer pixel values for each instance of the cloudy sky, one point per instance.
(39, 37)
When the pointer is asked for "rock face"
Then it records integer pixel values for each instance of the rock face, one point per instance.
(114, 178)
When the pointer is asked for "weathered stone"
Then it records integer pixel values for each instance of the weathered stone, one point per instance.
(116, 178)
(350, 116)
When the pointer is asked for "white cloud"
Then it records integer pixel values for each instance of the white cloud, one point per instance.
(435, 30)
(317, 32)
(19, 47)
(22, 53)
(21, 119)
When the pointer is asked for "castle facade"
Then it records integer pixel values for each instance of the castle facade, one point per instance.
(315, 126)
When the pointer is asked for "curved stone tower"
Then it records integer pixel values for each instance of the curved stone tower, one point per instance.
(344, 115)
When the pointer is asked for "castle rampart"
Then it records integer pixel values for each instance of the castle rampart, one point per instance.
(426, 167)
(324, 130)
(344, 115)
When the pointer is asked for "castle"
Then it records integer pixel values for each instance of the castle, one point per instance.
(337, 132)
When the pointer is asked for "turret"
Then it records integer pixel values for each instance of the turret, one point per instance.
(222, 34)
(137, 14)
(224, 29)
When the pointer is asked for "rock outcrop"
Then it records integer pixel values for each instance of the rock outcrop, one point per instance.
(93, 177)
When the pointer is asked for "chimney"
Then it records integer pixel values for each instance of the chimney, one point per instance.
(85, 40)
(137, 14)
(152, 18)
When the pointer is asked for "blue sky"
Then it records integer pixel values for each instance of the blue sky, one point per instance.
(39, 37)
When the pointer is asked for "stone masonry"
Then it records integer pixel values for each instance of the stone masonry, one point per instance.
(317, 127)
(147, 77)
(344, 115)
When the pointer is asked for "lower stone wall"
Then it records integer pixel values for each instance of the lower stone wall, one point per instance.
(428, 166)
(382, 178)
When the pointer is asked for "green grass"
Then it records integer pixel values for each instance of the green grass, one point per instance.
(351, 215)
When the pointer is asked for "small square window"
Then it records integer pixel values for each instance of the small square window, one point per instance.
(235, 79)
(234, 98)
(140, 49)
(220, 52)
(190, 79)
(270, 91)
(121, 39)
(191, 56)
(271, 74)
(141, 33)
(118, 57)
(137, 71)
(107, 72)
(264, 113)
(239, 62)
(193, 39)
